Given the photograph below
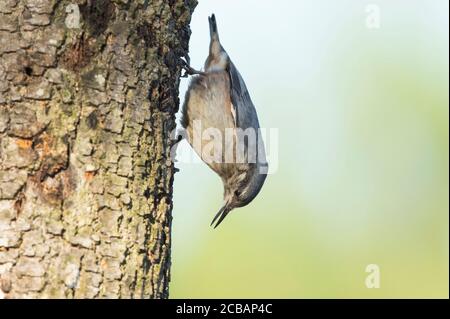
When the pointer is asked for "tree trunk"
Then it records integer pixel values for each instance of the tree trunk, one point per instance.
(88, 96)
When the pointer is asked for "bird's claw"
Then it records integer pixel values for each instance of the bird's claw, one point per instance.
(188, 70)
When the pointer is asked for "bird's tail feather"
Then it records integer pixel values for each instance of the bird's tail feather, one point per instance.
(213, 27)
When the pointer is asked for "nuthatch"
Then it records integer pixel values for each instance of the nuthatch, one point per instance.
(218, 97)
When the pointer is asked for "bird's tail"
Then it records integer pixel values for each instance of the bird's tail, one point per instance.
(213, 27)
(223, 212)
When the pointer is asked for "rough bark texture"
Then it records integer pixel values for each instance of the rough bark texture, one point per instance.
(88, 96)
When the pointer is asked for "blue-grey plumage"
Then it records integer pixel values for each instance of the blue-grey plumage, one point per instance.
(218, 98)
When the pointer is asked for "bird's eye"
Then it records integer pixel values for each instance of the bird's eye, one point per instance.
(237, 193)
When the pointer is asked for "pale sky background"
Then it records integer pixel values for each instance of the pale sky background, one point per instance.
(362, 116)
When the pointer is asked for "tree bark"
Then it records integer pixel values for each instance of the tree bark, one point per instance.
(88, 96)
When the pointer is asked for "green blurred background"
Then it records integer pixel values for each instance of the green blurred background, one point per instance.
(363, 159)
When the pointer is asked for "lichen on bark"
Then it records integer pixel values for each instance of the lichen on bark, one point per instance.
(88, 96)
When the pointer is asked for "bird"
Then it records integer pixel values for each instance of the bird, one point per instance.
(218, 97)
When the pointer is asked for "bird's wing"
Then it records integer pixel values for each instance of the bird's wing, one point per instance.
(244, 110)
(245, 117)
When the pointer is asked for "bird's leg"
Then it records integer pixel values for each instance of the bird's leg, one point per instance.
(174, 146)
(189, 70)
(173, 150)
(179, 138)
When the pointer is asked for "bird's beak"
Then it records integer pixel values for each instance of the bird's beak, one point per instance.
(223, 212)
